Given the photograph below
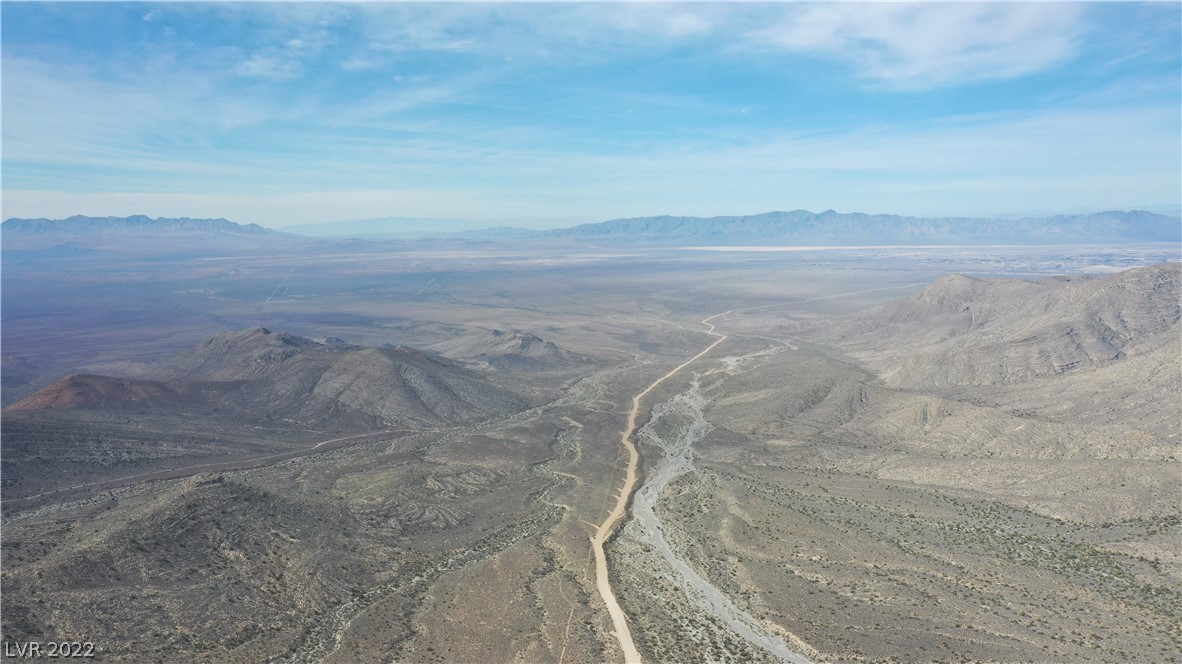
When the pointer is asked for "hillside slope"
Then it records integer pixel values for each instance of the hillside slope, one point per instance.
(1101, 350)
(257, 373)
(508, 351)
(95, 391)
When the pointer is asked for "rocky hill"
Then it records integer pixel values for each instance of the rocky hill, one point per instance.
(1100, 349)
(508, 351)
(250, 354)
(94, 391)
(257, 373)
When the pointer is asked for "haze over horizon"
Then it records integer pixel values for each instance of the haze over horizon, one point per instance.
(553, 115)
(820, 331)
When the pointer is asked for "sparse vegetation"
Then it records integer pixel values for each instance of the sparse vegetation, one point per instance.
(852, 519)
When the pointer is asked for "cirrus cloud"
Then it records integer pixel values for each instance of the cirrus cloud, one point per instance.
(924, 45)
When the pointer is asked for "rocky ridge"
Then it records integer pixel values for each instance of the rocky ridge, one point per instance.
(257, 372)
(1102, 350)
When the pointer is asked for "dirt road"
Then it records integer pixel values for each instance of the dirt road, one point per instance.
(603, 532)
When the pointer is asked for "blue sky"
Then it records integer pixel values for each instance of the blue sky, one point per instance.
(553, 114)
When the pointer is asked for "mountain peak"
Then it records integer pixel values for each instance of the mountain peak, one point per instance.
(502, 349)
(951, 291)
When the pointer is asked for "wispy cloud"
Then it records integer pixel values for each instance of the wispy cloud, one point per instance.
(287, 60)
(922, 45)
(654, 20)
(512, 110)
(904, 45)
(269, 66)
(970, 165)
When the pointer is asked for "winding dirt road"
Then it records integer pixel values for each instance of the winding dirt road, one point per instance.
(603, 532)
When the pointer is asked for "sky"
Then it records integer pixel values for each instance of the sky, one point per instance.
(545, 115)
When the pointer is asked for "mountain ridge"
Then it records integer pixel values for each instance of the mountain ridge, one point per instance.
(831, 227)
(798, 227)
(257, 372)
(85, 225)
(1077, 348)
(507, 351)
(83, 236)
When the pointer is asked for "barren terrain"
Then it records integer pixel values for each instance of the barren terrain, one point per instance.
(447, 452)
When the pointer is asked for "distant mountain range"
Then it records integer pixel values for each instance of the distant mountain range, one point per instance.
(799, 227)
(136, 225)
(81, 235)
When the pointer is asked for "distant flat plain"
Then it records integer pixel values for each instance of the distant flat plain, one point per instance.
(93, 311)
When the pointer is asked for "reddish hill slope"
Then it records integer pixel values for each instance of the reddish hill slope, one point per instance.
(257, 373)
